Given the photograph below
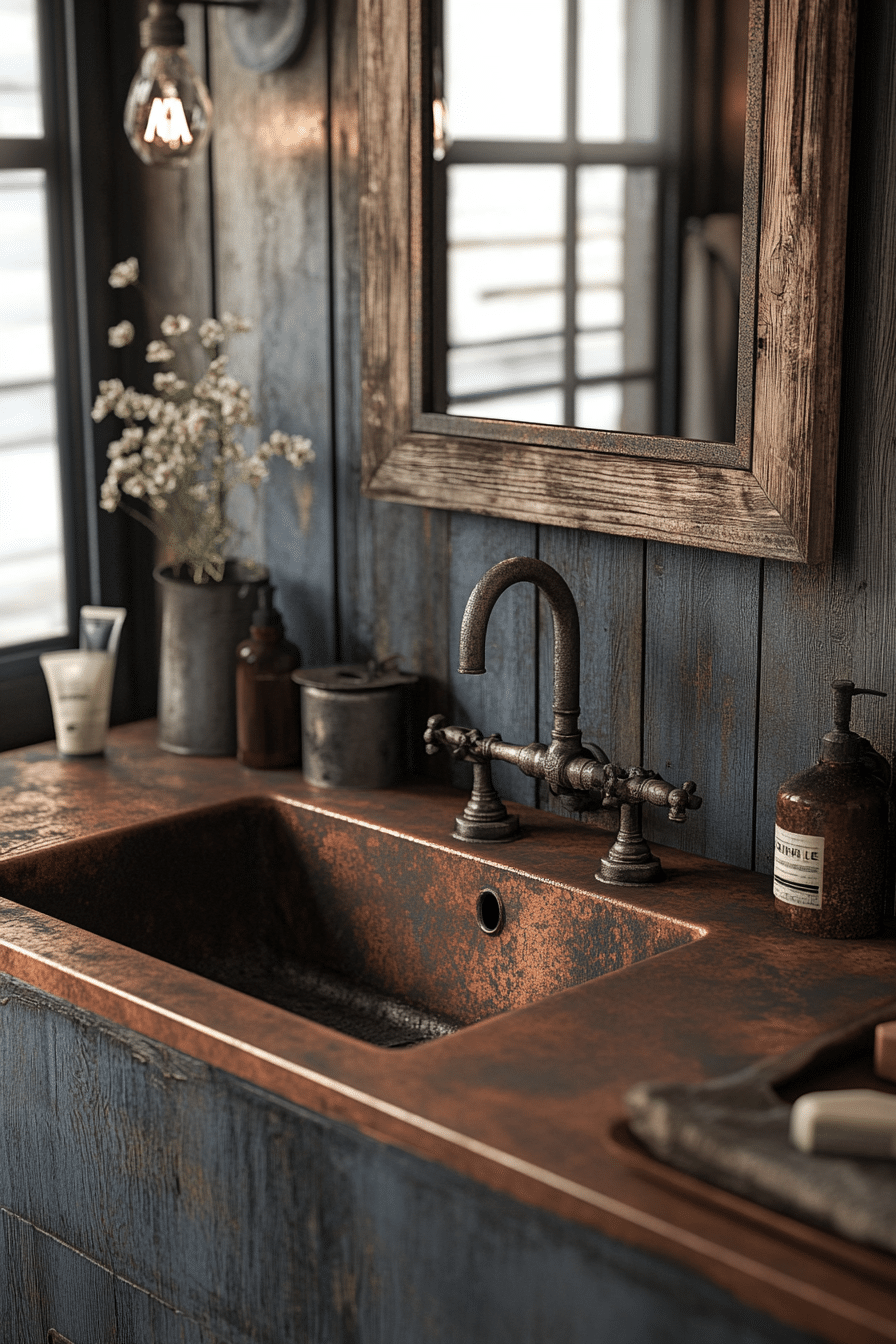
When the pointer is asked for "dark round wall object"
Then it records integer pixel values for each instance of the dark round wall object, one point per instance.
(490, 913)
(271, 35)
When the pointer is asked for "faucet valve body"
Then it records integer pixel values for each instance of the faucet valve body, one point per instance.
(580, 774)
(585, 784)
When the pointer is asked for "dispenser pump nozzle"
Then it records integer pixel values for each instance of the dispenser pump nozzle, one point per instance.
(265, 614)
(841, 744)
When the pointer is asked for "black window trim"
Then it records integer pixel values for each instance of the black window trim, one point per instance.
(86, 49)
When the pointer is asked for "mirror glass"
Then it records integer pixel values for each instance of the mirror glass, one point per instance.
(587, 187)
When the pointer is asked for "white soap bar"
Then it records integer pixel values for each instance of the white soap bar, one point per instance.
(855, 1123)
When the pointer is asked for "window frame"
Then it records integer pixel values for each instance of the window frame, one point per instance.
(772, 492)
(83, 155)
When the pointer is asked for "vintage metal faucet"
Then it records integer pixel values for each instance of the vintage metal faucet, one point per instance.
(581, 775)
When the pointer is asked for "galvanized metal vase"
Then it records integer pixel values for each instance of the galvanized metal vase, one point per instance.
(202, 623)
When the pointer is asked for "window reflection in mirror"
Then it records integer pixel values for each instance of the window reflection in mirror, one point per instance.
(587, 189)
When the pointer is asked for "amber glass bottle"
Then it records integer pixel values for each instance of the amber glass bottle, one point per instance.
(267, 705)
(831, 835)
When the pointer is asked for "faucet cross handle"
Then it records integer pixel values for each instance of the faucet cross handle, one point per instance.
(630, 861)
(682, 799)
(460, 743)
(485, 820)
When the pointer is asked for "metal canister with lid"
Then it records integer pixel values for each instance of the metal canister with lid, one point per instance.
(354, 724)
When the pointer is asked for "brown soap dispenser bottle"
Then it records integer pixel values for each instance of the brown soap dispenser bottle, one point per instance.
(831, 834)
(267, 705)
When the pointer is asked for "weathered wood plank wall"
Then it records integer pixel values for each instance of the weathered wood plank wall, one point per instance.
(146, 1198)
(709, 666)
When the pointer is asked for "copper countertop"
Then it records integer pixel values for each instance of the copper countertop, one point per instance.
(530, 1103)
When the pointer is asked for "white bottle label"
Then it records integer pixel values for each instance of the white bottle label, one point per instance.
(799, 868)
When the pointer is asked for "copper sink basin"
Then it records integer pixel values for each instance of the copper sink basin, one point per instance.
(388, 938)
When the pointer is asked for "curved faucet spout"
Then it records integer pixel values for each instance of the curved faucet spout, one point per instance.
(566, 738)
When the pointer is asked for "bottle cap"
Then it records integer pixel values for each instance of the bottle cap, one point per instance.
(265, 615)
(842, 745)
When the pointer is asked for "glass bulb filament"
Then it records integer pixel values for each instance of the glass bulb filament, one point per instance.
(168, 122)
(168, 113)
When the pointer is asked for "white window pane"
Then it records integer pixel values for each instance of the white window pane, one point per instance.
(598, 353)
(27, 415)
(480, 369)
(505, 252)
(601, 72)
(599, 407)
(502, 202)
(617, 296)
(600, 251)
(504, 69)
(537, 408)
(26, 334)
(32, 568)
(21, 115)
(496, 293)
(32, 571)
(32, 605)
(628, 406)
(29, 500)
(620, 91)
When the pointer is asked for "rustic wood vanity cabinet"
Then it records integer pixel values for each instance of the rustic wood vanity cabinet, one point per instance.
(181, 1162)
(150, 1199)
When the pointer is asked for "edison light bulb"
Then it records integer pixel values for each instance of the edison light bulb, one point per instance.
(168, 114)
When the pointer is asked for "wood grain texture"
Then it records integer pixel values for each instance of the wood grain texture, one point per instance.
(802, 247)
(47, 1285)
(385, 305)
(606, 578)
(837, 620)
(504, 700)
(272, 255)
(392, 567)
(668, 501)
(700, 668)
(265, 1224)
(781, 507)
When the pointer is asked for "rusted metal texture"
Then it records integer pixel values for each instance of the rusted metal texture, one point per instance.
(124, 878)
(582, 776)
(524, 569)
(296, 892)
(842, 805)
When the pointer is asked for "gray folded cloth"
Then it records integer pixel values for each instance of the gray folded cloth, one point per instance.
(734, 1132)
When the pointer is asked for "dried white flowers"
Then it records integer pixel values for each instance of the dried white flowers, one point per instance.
(125, 273)
(121, 335)
(178, 450)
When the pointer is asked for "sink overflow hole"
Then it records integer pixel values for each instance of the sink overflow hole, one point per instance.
(490, 912)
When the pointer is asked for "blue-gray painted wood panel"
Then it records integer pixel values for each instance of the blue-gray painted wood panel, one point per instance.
(270, 170)
(265, 1224)
(47, 1285)
(605, 575)
(700, 668)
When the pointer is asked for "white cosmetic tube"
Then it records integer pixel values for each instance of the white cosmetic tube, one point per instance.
(100, 628)
(80, 684)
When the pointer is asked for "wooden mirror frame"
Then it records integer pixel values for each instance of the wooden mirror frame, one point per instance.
(771, 493)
